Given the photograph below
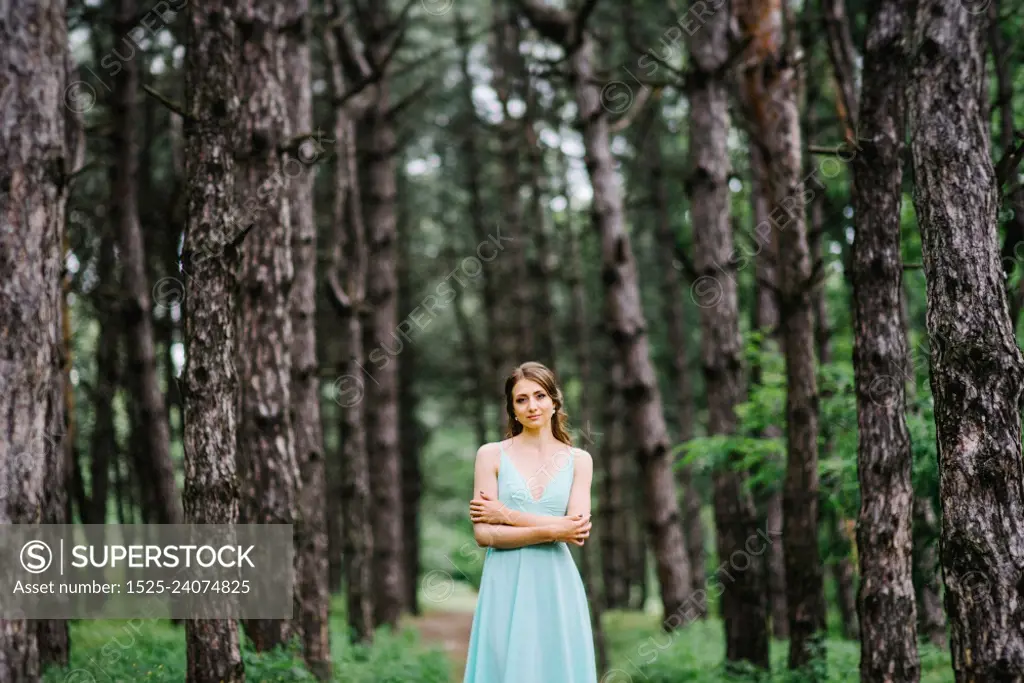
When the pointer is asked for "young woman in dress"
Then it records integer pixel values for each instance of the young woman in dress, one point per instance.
(532, 498)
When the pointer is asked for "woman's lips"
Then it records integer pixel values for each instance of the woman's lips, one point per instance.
(535, 417)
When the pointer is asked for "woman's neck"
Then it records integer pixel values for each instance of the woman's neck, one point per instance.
(536, 439)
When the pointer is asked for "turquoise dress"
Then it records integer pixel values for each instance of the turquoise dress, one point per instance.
(532, 623)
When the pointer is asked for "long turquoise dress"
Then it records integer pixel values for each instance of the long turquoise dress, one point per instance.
(532, 623)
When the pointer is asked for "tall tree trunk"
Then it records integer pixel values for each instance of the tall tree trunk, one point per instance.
(976, 366)
(842, 57)
(580, 342)
(34, 163)
(346, 279)
(766, 321)
(490, 380)
(210, 382)
(411, 435)
(636, 521)
(775, 117)
(338, 326)
(384, 347)
(542, 265)
(475, 375)
(843, 575)
(884, 532)
(672, 298)
(841, 54)
(120, 490)
(305, 379)
(624, 316)
(515, 340)
(53, 637)
(153, 458)
(169, 252)
(103, 440)
(841, 565)
(266, 446)
(931, 620)
(743, 599)
(52, 634)
(612, 515)
(333, 485)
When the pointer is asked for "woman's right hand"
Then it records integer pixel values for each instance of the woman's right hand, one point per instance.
(574, 529)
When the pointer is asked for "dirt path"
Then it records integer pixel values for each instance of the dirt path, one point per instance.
(450, 631)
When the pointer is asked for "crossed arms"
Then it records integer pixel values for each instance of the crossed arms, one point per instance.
(498, 526)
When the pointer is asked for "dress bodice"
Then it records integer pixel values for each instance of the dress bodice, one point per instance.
(517, 493)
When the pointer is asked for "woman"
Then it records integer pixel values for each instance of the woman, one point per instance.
(532, 624)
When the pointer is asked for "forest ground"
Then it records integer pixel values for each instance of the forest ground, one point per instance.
(449, 631)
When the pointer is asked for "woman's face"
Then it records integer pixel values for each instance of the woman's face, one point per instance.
(532, 404)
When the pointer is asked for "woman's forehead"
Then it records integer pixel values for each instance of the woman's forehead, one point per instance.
(526, 386)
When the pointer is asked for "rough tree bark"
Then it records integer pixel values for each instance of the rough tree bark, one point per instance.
(34, 166)
(266, 443)
(977, 371)
(884, 531)
(311, 533)
(209, 262)
(52, 634)
(624, 314)
(152, 458)
(714, 291)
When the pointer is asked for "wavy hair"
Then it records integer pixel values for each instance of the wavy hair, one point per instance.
(542, 375)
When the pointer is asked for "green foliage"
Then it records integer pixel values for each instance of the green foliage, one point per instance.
(134, 651)
(393, 658)
(640, 651)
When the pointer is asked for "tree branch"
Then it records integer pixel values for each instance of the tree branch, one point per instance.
(173, 106)
(402, 104)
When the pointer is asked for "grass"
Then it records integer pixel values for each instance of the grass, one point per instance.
(118, 651)
(639, 652)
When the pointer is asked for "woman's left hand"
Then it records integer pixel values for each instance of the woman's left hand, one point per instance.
(486, 510)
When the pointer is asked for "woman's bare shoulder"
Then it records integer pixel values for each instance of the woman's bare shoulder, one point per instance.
(489, 451)
(581, 457)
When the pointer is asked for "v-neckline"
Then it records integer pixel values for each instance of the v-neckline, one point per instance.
(526, 481)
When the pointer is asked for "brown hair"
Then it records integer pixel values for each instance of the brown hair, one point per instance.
(543, 376)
